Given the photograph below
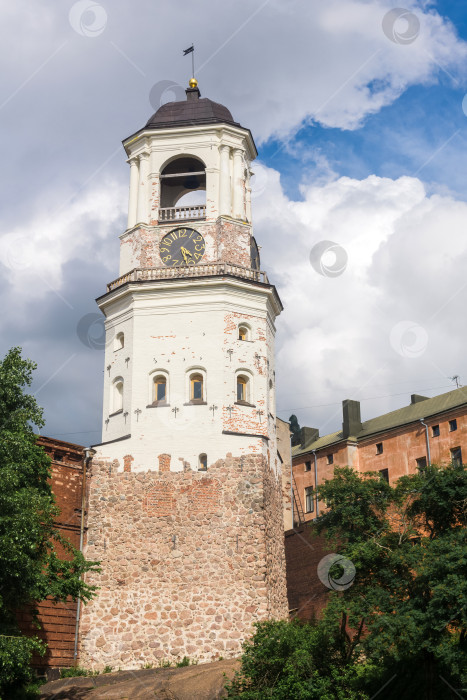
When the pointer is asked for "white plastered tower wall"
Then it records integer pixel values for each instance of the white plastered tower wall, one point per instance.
(185, 493)
(176, 329)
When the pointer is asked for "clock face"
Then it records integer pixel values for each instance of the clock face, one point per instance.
(182, 247)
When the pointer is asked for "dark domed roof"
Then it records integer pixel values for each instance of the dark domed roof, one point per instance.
(194, 110)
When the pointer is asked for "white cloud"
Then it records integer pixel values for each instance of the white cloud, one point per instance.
(34, 252)
(276, 64)
(332, 63)
(346, 336)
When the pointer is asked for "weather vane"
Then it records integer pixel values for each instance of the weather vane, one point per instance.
(192, 51)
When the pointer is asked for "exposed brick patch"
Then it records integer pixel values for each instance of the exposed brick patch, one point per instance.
(127, 460)
(226, 240)
(160, 501)
(164, 462)
(205, 496)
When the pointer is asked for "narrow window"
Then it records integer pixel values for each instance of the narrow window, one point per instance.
(452, 425)
(421, 463)
(309, 500)
(117, 398)
(119, 341)
(456, 456)
(242, 389)
(196, 387)
(384, 474)
(160, 390)
(330, 459)
(435, 431)
(379, 448)
(202, 462)
(308, 466)
(242, 333)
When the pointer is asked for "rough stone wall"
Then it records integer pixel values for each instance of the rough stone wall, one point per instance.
(189, 561)
(283, 449)
(275, 573)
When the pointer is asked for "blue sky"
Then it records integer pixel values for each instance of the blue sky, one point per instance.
(362, 141)
(398, 140)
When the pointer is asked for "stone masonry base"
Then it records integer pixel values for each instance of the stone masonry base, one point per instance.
(189, 561)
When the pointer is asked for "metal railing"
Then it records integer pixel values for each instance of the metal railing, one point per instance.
(201, 270)
(196, 211)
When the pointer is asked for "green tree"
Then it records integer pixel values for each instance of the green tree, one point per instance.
(295, 427)
(407, 608)
(294, 661)
(399, 631)
(36, 562)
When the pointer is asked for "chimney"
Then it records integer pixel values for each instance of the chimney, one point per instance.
(416, 398)
(308, 435)
(351, 414)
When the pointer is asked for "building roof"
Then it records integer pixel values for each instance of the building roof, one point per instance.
(422, 408)
(193, 111)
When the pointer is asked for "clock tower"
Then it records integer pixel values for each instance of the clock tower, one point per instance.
(184, 502)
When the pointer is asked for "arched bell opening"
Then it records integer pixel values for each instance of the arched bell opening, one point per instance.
(183, 189)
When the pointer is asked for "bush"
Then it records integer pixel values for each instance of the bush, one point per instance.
(285, 660)
(15, 663)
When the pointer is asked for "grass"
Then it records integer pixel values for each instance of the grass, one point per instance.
(79, 671)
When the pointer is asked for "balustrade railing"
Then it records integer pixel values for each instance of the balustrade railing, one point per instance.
(201, 270)
(196, 211)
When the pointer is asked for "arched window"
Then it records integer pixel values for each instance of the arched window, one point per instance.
(203, 462)
(160, 390)
(242, 388)
(242, 333)
(196, 388)
(119, 343)
(180, 178)
(271, 398)
(117, 395)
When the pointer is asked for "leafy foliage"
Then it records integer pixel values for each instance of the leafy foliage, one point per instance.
(286, 660)
(407, 609)
(36, 561)
(400, 631)
(294, 426)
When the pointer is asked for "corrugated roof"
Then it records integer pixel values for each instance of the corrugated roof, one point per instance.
(394, 419)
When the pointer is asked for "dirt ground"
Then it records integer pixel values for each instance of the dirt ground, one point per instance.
(202, 682)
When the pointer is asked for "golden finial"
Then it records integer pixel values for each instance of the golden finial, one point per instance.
(193, 83)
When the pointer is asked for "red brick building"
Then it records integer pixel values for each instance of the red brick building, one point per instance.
(428, 430)
(58, 621)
